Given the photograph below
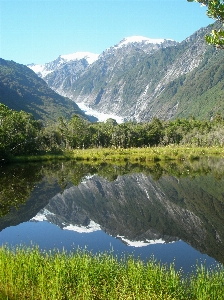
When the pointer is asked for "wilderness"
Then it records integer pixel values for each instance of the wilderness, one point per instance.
(112, 170)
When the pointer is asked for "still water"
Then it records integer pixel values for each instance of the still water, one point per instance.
(173, 212)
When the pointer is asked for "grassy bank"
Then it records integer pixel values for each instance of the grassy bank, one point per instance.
(30, 274)
(130, 154)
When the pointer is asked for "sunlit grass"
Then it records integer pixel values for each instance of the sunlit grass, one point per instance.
(28, 273)
(145, 154)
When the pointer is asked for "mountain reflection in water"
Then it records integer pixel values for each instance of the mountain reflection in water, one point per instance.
(139, 205)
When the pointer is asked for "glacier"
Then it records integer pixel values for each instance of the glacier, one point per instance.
(102, 117)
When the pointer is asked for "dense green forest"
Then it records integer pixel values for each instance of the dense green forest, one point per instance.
(21, 134)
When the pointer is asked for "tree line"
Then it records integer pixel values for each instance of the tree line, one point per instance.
(21, 134)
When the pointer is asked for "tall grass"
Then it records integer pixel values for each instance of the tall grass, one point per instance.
(145, 154)
(28, 273)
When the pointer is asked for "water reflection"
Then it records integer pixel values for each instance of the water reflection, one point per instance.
(140, 205)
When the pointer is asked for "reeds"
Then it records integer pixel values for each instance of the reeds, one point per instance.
(28, 273)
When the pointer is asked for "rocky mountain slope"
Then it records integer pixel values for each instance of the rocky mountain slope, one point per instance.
(139, 79)
(22, 89)
(61, 73)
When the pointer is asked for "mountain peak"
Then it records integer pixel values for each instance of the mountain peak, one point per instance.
(90, 57)
(139, 39)
(62, 60)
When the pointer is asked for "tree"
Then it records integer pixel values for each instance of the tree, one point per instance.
(215, 11)
(77, 132)
(18, 132)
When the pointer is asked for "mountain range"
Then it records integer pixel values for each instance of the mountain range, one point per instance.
(141, 78)
(137, 79)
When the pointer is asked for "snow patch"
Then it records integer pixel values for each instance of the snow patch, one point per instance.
(87, 177)
(84, 229)
(90, 57)
(41, 216)
(137, 244)
(147, 194)
(139, 39)
(39, 69)
(145, 91)
(43, 70)
(102, 117)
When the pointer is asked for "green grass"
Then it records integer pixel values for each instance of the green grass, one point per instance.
(147, 154)
(28, 273)
(131, 154)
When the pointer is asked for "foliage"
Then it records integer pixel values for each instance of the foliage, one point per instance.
(18, 132)
(215, 11)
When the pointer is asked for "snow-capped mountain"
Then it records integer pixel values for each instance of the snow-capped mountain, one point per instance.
(71, 65)
(141, 40)
(141, 78)
(90, 57)
(138, 43)
(43, 70)
(63, 71)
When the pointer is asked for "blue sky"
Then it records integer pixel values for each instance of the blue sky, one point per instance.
(38, 31)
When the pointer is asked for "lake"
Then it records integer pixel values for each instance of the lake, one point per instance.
(171, 211)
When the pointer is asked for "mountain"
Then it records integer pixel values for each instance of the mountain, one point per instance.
(141, 78)
(61, 75)
(63, 71)
(22, 89)
(174, 81)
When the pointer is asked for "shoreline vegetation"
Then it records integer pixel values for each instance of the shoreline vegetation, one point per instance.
(22, 135)
(29, 273)
(146, 154)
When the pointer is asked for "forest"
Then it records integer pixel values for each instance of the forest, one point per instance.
(21, 134)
